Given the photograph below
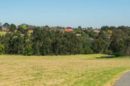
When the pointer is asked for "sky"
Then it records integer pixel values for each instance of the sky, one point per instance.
(86, 13)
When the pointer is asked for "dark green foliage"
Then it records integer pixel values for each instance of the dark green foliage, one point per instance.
(27, 45)
(2, 49)
(23, 28)
(102, 42)
(12, 27)
(118, 42)
(6, 25)
(55, 41)
(15, 43)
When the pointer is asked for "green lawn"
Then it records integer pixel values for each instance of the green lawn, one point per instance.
(2, 33)
(74, 70)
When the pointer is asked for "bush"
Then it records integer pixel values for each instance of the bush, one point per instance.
(2, 49)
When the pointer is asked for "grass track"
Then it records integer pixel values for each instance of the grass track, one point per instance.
(74, 70)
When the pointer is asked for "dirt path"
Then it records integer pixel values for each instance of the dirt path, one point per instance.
(124, 80)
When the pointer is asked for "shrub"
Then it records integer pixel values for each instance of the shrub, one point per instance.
(2, 49)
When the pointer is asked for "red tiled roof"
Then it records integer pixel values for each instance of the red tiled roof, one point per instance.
(68, 29)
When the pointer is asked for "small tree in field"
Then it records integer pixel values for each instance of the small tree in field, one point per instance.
(2, 49)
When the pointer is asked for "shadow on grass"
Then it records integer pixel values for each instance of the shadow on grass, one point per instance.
(107, 57)
(112, 56)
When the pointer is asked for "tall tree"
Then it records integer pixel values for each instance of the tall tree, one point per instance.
(12, 27)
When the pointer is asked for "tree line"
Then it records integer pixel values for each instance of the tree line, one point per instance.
(34, 40)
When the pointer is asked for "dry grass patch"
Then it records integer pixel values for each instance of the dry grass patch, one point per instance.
(75, 70)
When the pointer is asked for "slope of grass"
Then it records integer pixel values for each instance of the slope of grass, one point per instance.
(74, 70)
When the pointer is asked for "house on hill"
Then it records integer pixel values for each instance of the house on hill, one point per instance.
(69, 29)
(5, 29)
(97, 30)
(30, 29)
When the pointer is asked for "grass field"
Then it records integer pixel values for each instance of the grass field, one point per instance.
(2, 33)
(78, 70)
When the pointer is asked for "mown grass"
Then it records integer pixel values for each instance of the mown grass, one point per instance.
(74, 70)
(2, 33)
